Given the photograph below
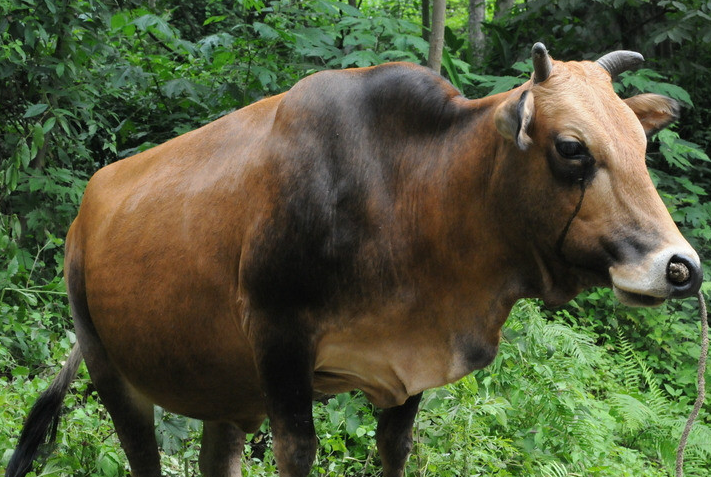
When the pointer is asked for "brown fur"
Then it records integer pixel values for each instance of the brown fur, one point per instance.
(369, 229)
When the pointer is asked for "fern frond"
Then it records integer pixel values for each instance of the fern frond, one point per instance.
(571, 342)
(629, 366)
(699, 438)
(591, 431)
(554, 469)
(696, 466)
(634, 414)
(656, 398)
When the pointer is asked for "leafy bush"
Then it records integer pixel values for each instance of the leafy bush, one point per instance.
(590, 389)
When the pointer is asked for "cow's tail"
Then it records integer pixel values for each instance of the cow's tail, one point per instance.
(41, 424)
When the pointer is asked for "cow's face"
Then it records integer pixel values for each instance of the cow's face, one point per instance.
(594, 214)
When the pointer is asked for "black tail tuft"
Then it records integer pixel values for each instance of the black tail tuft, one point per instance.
(42, 422)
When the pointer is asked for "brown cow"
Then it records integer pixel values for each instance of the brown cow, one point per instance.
(369, 229)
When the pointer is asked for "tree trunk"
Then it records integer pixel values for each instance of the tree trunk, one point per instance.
(434, 60)
(426, 20)
(503, 7)
(477, 12)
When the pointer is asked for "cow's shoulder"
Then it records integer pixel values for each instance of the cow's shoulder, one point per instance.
(330, 226)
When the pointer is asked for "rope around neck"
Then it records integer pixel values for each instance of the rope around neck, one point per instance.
(701, 384)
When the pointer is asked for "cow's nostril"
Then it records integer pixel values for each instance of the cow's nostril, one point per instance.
(678, 273)
(684, 275)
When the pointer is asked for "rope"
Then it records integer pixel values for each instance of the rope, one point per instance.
(701, 384)
(564, 233)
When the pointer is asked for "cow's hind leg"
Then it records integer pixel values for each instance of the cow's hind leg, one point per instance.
(132, 416)
(221, 450)
(394, 436)
(131, 413)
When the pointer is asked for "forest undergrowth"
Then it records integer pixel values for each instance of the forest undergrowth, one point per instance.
(589, 389)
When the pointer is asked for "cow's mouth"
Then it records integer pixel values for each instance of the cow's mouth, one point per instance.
(630, 298)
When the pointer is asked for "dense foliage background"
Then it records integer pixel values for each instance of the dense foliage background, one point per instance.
(592, 389)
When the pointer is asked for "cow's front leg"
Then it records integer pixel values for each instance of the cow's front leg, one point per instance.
(285, 363)
(394, 436)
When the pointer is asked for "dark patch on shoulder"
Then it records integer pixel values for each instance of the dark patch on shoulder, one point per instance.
(299, 260)
(412, 99)
(394, 99)
(309, 251)
(336, 142)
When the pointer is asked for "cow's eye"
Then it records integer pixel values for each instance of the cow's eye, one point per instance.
(571, 161)
(571, 149)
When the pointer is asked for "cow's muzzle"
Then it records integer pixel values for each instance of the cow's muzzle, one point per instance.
(674, 272)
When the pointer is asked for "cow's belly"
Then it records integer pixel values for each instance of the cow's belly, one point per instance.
(387, 366)
(211, 390)
(216, 381)
(189, 356)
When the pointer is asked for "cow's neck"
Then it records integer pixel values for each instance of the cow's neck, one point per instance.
(462, 243)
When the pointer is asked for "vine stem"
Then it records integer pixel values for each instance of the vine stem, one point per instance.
(701, 385)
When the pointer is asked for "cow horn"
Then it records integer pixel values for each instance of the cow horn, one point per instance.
(542, 65)
(621, 60)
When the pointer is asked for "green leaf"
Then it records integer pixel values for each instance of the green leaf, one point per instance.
(361, 39)
(12, 267)
(35, 110)
(214, 19)
(253, 4)
(673, 91)
(145, 21)
(405, 43)
(266, 76)
(49, 124)
(19, 371)
(51, 6)
(36, 183)
(16, 227)
(523, 66)
(360, 58)
(23, 154)
(108, 465)
(38, 135)
(119, 21)
(499, 84)
(451, 70)
(17, 47)
(265, 31)
(178, 87)
(352, 423)
(348, 10)
(691, 187)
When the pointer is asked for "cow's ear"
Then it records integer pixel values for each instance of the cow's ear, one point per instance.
(513, 118)
(654, 111)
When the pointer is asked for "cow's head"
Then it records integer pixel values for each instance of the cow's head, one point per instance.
(591, 213)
